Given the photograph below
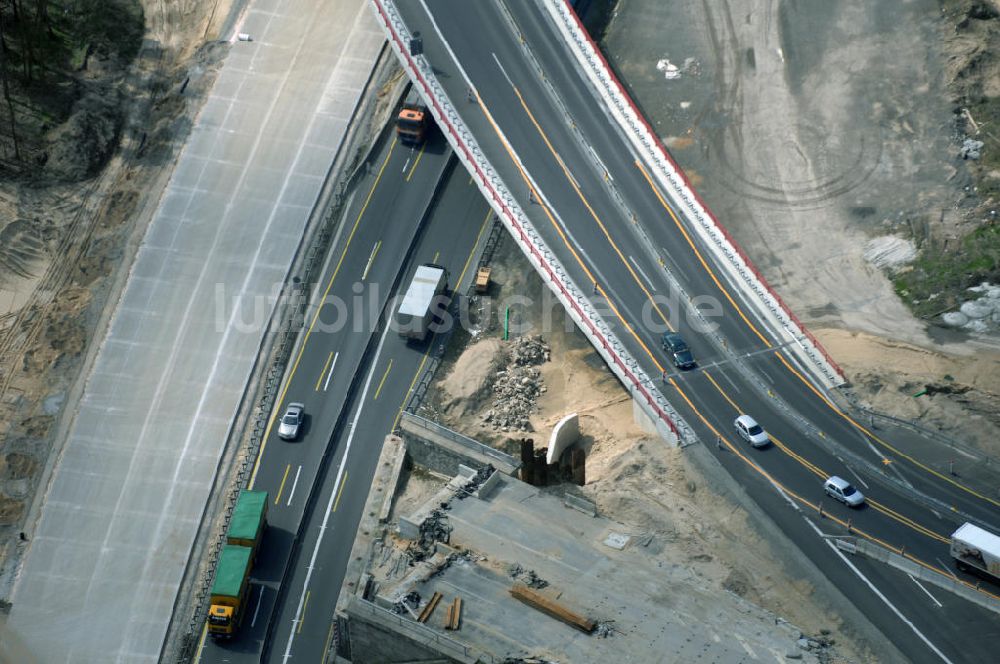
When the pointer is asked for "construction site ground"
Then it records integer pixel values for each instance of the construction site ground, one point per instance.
(646, 592)
(701, 526)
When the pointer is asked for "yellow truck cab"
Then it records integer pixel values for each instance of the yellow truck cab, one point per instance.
(232, 574)
(229, 591)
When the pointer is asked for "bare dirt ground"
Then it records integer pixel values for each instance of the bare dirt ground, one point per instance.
(825, 137)
(634, 479)
(67, 235)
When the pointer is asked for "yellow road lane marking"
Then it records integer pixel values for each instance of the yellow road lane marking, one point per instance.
(326, 293)
(378, 390)
(284, 479)
(371, 259)
(883, 443)
(562, 235)
(907, 521)
(586, 203)
(201, 644)
(319, 379)
(701, 259)
(329, 639)
(816, 507)
(302, 616)
(423, 360)
(819, 472)
(340, 491)
(416, 161)
(468, 259)
(802, 378)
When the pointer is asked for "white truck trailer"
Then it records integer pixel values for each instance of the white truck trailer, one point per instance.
(976, 549)
(425, 297)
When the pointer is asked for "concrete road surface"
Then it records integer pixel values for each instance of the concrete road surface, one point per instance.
(99, 580)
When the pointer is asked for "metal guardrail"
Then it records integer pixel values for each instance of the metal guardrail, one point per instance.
(854, 403)
(545, 262)
(950, 583)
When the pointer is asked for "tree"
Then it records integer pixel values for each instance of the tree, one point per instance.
(6, 86)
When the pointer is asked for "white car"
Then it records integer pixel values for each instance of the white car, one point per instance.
(291, 421)
(842, 490)
(750, 431)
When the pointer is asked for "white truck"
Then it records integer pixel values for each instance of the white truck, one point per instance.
(426, 297)
(976, 549)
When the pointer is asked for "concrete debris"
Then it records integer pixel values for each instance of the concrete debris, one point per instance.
(979, 315)
(816, 645)
(466, 555)
(526, 576)
(889, 251)
(435, 528)
(528, 351)
(604, 629)
(517, 384)
(458, 556)
(971, 149)
(408, 604)
(476, 481)
(672, 71)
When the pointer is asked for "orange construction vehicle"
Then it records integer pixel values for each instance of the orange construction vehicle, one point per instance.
(413, 120)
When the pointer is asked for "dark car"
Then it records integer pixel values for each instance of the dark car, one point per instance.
(679, 352)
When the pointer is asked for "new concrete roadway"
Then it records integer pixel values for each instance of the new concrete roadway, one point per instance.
(125, 499)
(556, 128)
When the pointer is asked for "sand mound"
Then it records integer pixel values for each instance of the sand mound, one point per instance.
(468, 383)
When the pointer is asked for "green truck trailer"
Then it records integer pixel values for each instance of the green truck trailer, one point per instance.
(232, 574)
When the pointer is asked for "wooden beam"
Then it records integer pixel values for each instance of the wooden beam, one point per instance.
(454, 617)
(429, 609)
(552, 608)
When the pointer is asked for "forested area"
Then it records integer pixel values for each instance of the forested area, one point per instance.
(62, 65)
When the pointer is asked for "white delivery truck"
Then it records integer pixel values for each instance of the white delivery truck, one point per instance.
(426, 296)
(976, 549)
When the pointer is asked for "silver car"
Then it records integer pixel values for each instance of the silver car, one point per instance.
(291, 421)
(842, 490)
(750, 431)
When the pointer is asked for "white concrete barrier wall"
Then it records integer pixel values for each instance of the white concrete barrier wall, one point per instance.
(564, 434)
(742, 272)
(642, 388)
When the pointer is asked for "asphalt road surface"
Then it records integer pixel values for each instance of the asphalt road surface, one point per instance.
(353, 382)
(302, 629)
(373, 239)
(554, 131)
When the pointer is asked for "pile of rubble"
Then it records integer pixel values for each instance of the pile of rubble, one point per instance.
(475, 481)
(526, 576)
(517, 384)
(819, 646)
(435, 528)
